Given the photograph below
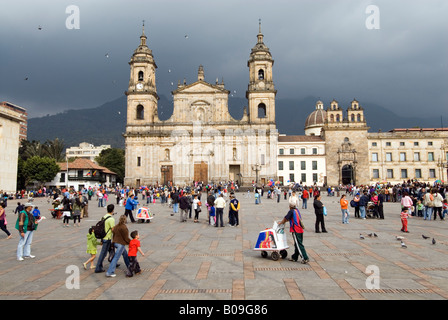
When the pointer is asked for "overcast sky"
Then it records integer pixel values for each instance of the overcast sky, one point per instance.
(321, 48)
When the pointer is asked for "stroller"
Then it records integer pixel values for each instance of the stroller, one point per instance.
(272, 240)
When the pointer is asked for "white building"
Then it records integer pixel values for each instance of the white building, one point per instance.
(82, 173)
(10, 122)
(86, 151)
(201, 141)
(301, 159)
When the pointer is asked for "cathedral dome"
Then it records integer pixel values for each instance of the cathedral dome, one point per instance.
(315, 120)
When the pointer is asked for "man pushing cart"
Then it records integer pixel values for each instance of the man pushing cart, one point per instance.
(296, 228)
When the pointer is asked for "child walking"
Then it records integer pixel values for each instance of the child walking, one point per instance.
(134, 247)
(444, 208)
(92, 242)
(404, 219)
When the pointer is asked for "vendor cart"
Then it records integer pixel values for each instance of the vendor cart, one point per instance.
(273, 240)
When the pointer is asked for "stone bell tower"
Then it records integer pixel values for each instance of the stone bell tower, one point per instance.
(142, 93)
(261, 92)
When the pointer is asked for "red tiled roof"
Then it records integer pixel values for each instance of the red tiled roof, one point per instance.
(300, 139)
(83, 164)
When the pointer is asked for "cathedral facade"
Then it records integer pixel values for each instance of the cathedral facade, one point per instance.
(201, 141)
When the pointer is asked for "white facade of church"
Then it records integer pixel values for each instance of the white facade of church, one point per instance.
(201, 141)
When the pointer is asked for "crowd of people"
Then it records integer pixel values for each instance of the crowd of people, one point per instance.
(417, 199)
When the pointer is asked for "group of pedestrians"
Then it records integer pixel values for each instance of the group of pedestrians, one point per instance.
(114, 244)
(185, 202)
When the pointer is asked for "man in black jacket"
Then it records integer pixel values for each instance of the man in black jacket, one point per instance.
(184, 204)
(319, 212)
(363, 202)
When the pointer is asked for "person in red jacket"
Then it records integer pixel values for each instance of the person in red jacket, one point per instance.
(296, 228)
(305, 197)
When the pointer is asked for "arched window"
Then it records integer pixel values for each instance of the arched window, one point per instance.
(261, 110)
(331, 118)
(140, 115)
(140, 76)
(352, 117)
(261, 74)
(338, 119)
(358, 117)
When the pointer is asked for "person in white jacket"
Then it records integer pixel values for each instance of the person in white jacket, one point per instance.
(438, 199)
(294, 200)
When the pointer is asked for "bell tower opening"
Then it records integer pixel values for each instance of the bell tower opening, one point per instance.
(261, 110)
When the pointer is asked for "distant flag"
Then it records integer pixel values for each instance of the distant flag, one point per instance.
(89, 173)
(94, 173)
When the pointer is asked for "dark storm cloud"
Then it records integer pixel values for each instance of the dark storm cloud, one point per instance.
(320, 48)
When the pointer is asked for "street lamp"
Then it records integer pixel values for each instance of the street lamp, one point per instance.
(256, 168)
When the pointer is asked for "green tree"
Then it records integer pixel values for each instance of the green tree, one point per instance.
(114, 160)
(55, 149)
(39, 169)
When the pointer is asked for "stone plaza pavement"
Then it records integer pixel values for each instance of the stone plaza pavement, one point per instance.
(194, 261)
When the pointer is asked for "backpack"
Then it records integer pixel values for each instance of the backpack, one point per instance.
(353, 203)
(100, 228)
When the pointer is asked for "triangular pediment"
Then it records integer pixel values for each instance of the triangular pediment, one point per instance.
(200, 87)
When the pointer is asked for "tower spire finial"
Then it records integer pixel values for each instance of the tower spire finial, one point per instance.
(260, 35)
(143, 36)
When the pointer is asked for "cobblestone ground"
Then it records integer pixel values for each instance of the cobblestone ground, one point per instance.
(194, 261)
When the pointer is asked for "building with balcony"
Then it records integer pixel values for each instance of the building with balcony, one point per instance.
(82, 173)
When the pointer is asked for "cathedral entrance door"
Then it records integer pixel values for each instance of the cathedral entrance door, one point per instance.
(167, 174)
(347, 174)
(234, 172)
(201, 172)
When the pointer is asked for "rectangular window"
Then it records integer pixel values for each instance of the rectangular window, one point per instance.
(302, 151)
(388, 144)
(403, 156)
(314, 150)
(291, 177)
(388, 157)
(374, 157)
(390, 173)
(314, 164)
(415, 144)
(402, 144)
(430, 156)
(303, 177)
(404, 173)
(430, 143)
(374, 144)
(302, 165)
(262, 160)
(432, 173)
(376, 173)
(281, 151)
(291, 165)
(416, 156)
(418, 173)
(280, 165)
(314, 177)
(291, 151)
(139, 161)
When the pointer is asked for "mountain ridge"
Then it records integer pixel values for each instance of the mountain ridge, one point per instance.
(106, 123)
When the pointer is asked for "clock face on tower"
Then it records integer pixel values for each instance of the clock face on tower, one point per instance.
(139, 86)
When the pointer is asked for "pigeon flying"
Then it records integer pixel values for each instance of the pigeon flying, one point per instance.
(424, 237)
